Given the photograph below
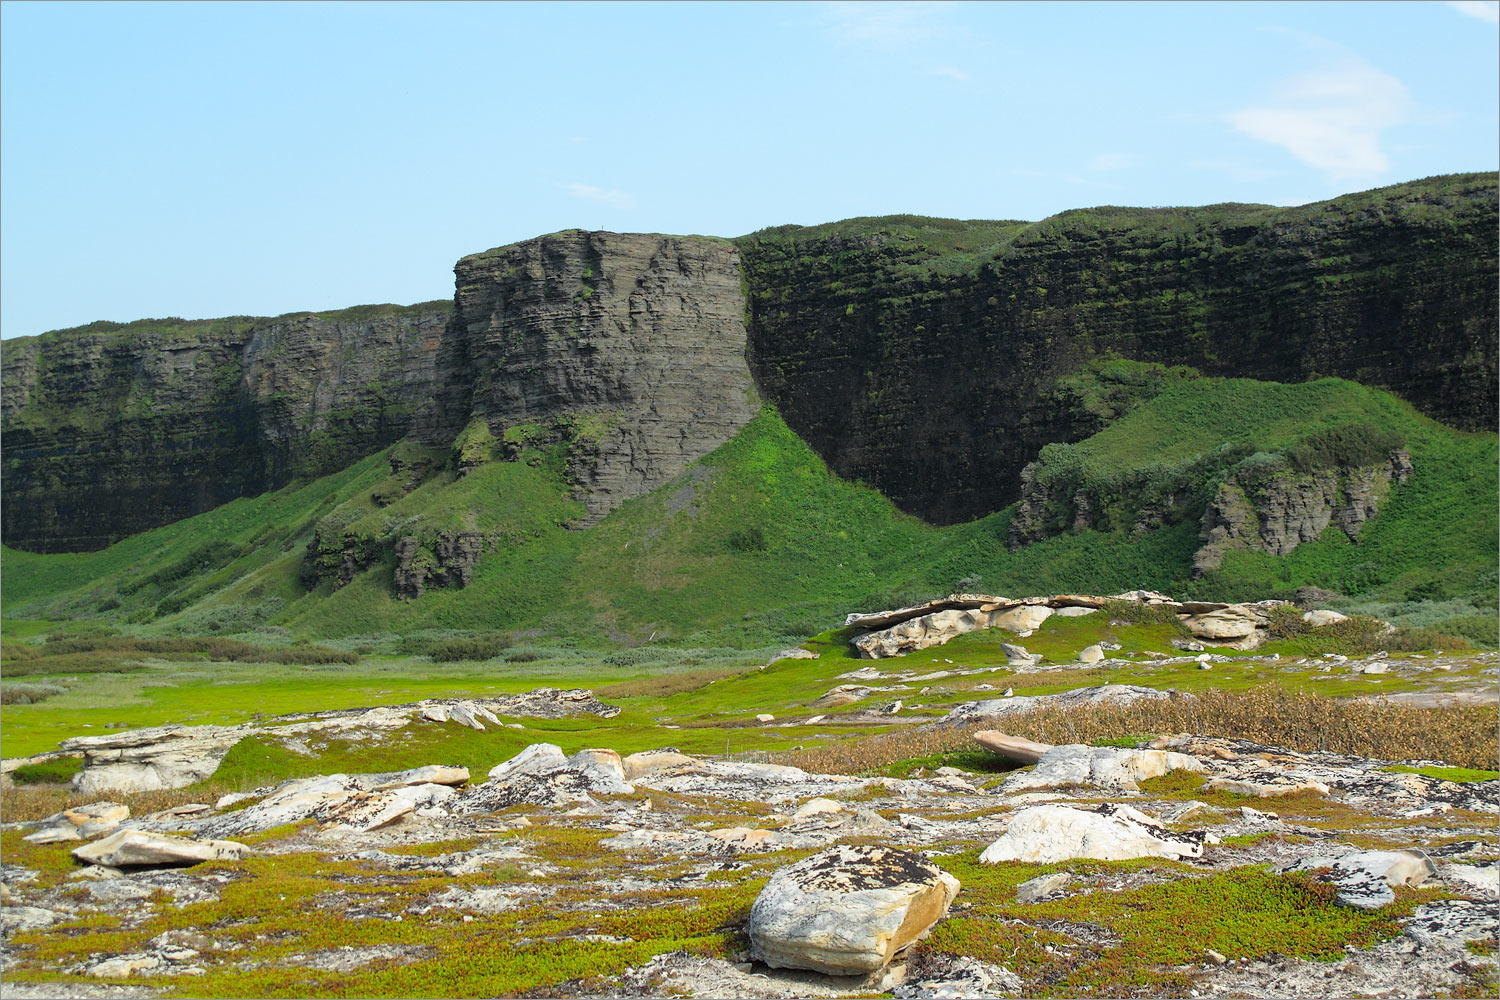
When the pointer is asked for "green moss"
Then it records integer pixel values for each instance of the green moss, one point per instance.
(48, 772)
(1446, 773)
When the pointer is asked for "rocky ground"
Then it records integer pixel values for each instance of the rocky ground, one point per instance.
(1157, 865)
(589, 875)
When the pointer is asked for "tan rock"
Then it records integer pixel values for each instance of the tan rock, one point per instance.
(638, 764)
(1011, 747)
(136, 847)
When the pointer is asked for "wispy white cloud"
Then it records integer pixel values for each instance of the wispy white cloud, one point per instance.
(951, 72)
(1331, 118)
(1484, 10)
(614, 199)
(887, 24)
(1092, 182)
(1105, 162)
(1243, 172)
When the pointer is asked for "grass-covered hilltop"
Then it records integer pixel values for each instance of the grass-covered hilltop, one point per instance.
(1116, 592)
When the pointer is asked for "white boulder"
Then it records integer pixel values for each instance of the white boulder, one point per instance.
(1049, 833)
(848, 910)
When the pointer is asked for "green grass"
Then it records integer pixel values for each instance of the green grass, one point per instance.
(1161, 927)
(1447, 773)
(759, 544)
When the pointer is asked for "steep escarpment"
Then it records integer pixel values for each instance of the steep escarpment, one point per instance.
(580, 370)
(629, 348)
(922, 355)
(111, 429)
(932, 359)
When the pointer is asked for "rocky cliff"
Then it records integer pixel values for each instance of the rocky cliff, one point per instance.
(114, 428)
(628, 348)
(920, 355)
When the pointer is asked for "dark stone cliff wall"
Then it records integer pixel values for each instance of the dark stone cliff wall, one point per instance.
(110, 429)
(922, 367)
(630, 346)
(928, 379)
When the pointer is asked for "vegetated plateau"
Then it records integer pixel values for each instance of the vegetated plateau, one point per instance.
(246, 552)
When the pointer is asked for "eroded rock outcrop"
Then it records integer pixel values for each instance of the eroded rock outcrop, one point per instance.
(905, 630)
(177, 756)
(628, 348)
(1276, 515)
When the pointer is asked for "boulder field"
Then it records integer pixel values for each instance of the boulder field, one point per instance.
(845, 884)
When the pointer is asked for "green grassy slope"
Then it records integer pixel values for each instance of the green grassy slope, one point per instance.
(759, 543)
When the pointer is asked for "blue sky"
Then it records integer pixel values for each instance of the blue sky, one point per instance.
(220, 159)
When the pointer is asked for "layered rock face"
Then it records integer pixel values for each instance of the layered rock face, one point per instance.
(631, 348)
(113, 429)
(917, 355)
(1277, 515)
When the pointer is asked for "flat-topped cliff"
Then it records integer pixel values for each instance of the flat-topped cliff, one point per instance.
(925, 357)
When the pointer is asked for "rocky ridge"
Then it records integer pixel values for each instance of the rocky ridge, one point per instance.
(883, 634)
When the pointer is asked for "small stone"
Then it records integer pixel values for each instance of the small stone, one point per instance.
(1215, 957)
(765, 717)
(1091, 654)
(817, 807)
(1033, 889)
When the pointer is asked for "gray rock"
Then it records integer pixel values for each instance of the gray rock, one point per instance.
(1365, 879)
(1034, 889)
(1105, 694)
(131, 848)
(28, 918)
(542, 775)
(1050, 833)
(1451, 922)
(1111, 769)
(848, 910)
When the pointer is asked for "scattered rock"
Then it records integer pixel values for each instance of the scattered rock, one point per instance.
(1104, 694)
(817, 807)
(848, 910)
(176, 756)
(844, 694)
(1318, 619)
(1048, 833)
(1274, 788)
(1017, 656)
(640, 763)
(962, 977)
(1486, 879)
(1091, 654)
(542, 775)
(1452, 922)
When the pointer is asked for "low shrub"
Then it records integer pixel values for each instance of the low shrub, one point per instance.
(464, 650)
(28, 694)
(1461, 736)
